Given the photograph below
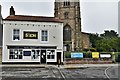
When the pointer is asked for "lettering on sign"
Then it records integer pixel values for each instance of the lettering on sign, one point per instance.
(30, 35)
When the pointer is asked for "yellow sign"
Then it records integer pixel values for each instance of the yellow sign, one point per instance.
(30, 35)
(95, 54)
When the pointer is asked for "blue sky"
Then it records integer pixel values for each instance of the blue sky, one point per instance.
(96, 15)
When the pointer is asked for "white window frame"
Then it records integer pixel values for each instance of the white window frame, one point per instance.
(50, 54)
(47, 36)
(17, 54)
(13, 34)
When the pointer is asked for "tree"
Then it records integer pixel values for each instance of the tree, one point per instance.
(109, 34)
(108, 41)
(107, 44)
(93, 39)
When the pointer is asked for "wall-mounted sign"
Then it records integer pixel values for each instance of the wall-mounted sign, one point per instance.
(105, 55)
(76, 55)
(30, 35)
(95, 54)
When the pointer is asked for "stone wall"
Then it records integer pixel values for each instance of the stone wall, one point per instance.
(85, 40)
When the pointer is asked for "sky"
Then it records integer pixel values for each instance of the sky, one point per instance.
(96, 15)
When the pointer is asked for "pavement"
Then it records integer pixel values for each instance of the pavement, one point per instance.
(61, 66)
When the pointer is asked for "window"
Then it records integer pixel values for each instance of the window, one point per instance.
(44, 35)
(35, 54)
(50, 54)
(67, 33)
(66, 15)
(66, 3)
(15, 54)
(16, 34)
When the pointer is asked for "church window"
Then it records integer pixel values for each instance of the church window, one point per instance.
(66, 15)
(66, 3)
(67, 33)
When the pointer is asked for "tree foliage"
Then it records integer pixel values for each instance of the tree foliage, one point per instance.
(108, 41)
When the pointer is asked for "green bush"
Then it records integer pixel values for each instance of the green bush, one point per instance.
(67, 54)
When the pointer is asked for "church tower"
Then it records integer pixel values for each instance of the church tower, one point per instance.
(69, 12)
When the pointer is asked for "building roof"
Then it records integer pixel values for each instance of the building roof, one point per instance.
(32, 18)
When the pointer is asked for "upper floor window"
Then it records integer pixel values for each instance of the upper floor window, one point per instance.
(66, 15)
(66, 3)
(44, 35)
(16, 34)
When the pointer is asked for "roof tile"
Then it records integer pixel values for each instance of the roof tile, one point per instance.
(32, 18)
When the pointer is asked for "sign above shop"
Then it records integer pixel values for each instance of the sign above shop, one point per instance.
(30, 35)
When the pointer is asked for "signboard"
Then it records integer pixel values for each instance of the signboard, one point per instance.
(105, 55)
(30, 35)
(76, 55)
(27, 53)
(95, 54)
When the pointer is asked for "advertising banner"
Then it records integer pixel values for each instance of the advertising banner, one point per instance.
(105, 55)
(95, 54)
(76, 55)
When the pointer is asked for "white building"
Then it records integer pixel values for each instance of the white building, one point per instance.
(32, 39)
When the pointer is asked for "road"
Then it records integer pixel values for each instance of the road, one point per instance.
(55, 73)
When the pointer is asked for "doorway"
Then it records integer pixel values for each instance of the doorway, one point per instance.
(43, 56)
(58, 57)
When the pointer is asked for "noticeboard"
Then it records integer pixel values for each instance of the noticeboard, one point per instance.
(77, 55)
(95, 54)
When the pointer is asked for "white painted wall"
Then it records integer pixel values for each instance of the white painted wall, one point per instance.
(55, 36)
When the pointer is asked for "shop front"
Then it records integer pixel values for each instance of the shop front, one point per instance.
(33, 54)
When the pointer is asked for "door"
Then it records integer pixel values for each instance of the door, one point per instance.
(58, 57)
(43, 56)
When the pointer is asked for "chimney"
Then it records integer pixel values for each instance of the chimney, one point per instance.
(12, 12)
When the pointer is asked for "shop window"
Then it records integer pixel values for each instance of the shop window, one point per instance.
(50, 54)
(44, 35)
(15, 54)
(16, 34)
(35, 54)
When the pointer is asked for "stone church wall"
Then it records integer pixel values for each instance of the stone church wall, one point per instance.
(85, 40)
